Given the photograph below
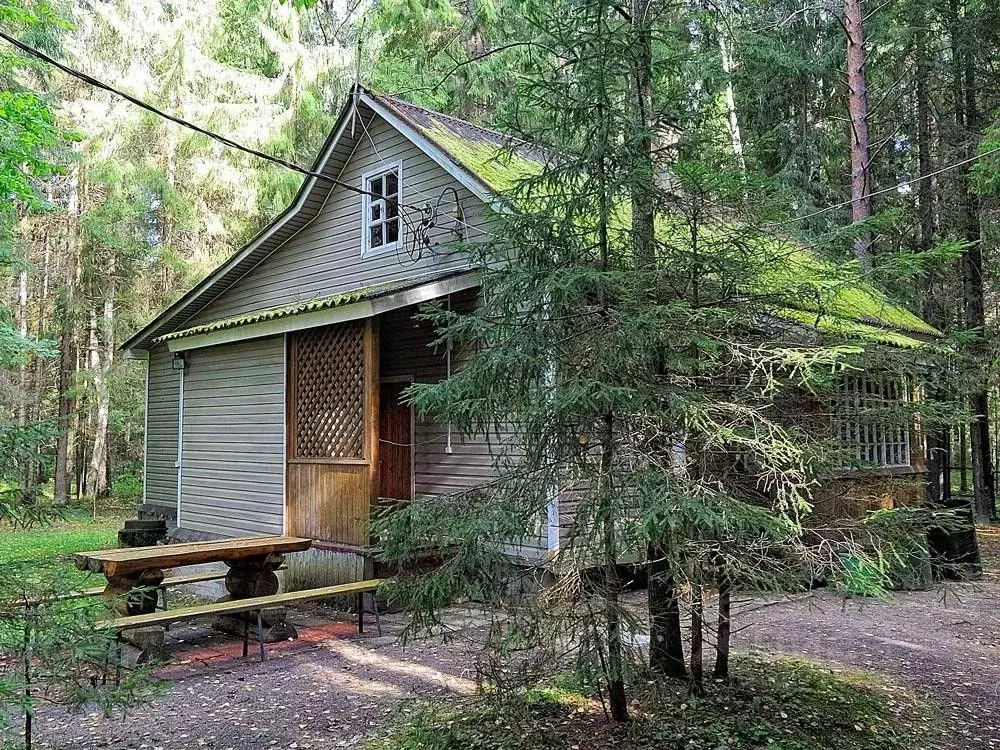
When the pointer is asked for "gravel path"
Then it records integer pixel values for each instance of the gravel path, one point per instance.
(943, 644)
(332, 688)
(305, 695)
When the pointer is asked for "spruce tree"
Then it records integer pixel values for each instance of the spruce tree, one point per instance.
(633, 359)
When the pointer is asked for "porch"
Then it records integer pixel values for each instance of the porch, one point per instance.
(353, 446)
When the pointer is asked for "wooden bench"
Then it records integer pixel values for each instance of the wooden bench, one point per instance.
(215, 575)
(253, 604)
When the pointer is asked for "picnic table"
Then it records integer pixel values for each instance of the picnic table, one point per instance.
(134, 573)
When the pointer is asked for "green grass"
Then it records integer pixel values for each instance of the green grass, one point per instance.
(770, 705)
(76, 533)
(48, 547)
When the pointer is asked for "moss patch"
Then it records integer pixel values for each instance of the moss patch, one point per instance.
(501, 170)
(824, 288)
(287, 311)
(770, 705)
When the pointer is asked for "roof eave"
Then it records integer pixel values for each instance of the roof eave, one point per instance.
(356, 310)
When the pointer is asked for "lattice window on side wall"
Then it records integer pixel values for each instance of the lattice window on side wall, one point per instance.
(330, 392)
(873, 421)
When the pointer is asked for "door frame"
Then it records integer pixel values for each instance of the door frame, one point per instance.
(413, 429)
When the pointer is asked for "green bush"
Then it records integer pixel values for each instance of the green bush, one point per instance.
(127, 487)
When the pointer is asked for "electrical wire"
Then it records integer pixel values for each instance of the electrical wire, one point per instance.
(91, 81)
(96, 83)
(883, 191)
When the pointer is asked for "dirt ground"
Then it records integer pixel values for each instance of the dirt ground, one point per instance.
(333, 687)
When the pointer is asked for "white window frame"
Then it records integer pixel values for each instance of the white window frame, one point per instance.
(367, 251)
(872, 444)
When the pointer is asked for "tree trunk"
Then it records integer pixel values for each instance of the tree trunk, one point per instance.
(728, 66)
(973, 295)
(697, 656)
(22, 327)
(666, 652)
(67, 357)
(937, 437)
(61, 488)
(722, 641)
(666, 647)
(616, 661)
(99, 457)
(643, 188)
(857, 103)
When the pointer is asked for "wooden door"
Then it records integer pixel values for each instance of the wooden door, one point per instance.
(395, 437)
(331, 447)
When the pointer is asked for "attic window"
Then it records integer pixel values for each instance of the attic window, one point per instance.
(873, 421)
(382, 226)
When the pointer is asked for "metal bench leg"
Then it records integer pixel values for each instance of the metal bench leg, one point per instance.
(378, 620)
(260, 635)
(361, 611)
(107, 664)
(246, 634)
(163, 596)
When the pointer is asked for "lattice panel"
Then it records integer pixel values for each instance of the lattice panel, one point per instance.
(330, 392)
(868, 423)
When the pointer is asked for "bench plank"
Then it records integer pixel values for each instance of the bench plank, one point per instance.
(237, 606)
(175, 580)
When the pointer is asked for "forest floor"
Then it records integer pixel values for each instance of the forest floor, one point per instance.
(943, 644)
(932, 655)
(77, 531)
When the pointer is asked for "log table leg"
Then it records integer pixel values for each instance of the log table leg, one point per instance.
(250, 577)
(136, 593)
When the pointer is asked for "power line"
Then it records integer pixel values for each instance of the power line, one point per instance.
(894, 188)
(91, 81)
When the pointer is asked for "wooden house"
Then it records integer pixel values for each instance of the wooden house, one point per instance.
(273, 385)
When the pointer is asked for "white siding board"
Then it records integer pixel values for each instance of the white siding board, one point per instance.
(233, 473)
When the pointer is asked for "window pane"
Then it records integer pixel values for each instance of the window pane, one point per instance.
(375, 236)
(391, 183)
(375, 185)
(376, 210)
(391, 231)
(392, 209)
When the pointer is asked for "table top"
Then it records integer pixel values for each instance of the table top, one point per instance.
(114, 562)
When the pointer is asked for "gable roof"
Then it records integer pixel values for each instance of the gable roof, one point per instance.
(489, 163)
(437, 135)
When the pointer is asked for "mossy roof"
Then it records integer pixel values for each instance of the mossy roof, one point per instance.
(808, 289)
(497, 160)
(361, 294)
(812, 290)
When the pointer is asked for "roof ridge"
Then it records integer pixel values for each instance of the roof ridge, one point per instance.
(393, 99)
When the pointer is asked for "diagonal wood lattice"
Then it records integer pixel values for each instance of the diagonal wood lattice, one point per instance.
(330, 392)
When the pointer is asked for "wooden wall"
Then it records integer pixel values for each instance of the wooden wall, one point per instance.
(329, 487)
